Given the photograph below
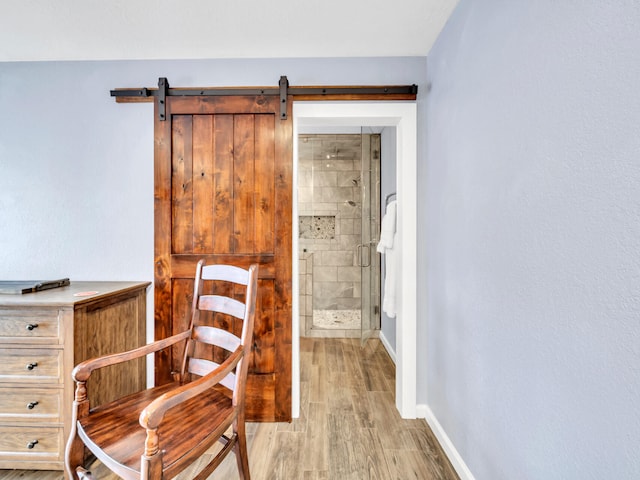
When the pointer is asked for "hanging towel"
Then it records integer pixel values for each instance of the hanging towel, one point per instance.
(391, 265)
(388, 228)
(388, 246)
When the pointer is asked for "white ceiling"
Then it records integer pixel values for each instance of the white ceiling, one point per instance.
(37, 30)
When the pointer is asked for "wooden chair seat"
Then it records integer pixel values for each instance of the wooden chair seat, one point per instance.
(161, 431)
(118, 441)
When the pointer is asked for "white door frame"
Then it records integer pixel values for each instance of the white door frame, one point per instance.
(402, 116)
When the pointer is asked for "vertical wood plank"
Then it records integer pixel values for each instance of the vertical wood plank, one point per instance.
(182, 185)
(182, 294)
(223, 184)
(243, 198)
(162, 240)
(263, 353)
(264, 187)
(202, 183)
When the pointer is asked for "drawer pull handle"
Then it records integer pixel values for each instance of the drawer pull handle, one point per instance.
(31, 366)
(30, 405)
(31, 326)
(32, 444)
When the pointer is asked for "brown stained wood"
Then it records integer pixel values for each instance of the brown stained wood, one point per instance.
(182, 265)
(162, 243)
(246, 150)
(244, 188)
(182, 293)
(263, 353)
(223, 185)
(203, 194)
(224, 105)
(261, 395)
(182, 185)
(264, 187)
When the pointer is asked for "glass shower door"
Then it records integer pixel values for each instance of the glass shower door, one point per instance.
(368, 257)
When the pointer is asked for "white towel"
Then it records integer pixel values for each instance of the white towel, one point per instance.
(391, 264)
(387, 246)
(387, 228)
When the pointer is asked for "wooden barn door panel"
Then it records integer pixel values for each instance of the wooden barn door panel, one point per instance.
(223, 190)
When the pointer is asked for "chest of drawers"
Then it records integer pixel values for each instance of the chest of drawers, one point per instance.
(43, 335)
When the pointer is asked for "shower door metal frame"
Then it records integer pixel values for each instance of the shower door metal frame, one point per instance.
(367, 255)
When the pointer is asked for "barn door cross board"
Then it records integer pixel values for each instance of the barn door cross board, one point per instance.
(223, 191)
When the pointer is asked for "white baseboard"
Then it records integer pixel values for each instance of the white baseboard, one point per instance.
(423, 411)
(387, 346)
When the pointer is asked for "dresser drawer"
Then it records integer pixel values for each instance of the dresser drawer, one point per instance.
(30, 326)
(30, 405)
(31, 443)
(30, 365)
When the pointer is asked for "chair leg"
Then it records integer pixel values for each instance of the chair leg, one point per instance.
(84, 474)
(74, 456)
(240, 450)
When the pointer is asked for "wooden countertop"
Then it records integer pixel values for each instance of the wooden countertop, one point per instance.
(76, 294)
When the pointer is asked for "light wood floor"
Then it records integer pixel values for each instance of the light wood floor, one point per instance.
(349, 428)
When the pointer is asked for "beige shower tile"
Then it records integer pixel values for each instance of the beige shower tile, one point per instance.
(325, 179)
(325, 274)
(349, 274)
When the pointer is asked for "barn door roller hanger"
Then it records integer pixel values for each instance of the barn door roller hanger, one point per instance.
(401, 92)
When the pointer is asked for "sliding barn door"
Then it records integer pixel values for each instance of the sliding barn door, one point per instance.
(223, 192)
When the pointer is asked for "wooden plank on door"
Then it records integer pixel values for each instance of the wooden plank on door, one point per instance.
(223, 184)
(243, 176)
(202, 183)
(223, 193)
(181, 185)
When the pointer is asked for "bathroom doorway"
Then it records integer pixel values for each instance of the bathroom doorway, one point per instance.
(401, 119)
(338, 224)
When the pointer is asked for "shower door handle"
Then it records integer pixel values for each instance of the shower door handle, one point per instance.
(359, 249)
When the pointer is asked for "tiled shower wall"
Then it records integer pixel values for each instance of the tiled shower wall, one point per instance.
(329, 205)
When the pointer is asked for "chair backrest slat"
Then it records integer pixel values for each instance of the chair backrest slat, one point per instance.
(227, 273)
(216, 336)
(218, 303)
(201, 367)
(215, 331)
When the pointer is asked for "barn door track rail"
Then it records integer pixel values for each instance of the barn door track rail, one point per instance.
(283, 90)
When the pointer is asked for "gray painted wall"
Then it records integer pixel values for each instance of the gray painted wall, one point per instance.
(76, 189)
(387, 186)
(533, 238)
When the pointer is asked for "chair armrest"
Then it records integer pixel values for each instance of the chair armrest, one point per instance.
(82, 371)
(152, 415)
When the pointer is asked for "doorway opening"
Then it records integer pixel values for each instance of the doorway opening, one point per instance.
(338, 221)
(401, 116)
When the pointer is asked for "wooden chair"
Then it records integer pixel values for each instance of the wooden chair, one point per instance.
(157, 433)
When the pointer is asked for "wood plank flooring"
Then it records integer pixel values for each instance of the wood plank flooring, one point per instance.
(349, 428)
